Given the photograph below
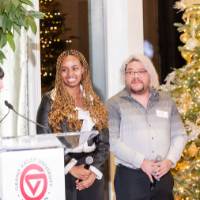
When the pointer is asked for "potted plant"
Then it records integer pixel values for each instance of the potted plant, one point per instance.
(15, 14)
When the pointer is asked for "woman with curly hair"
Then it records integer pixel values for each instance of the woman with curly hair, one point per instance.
(74, 106)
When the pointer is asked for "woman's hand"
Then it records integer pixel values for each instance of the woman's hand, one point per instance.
(80, 172)
(83, 184)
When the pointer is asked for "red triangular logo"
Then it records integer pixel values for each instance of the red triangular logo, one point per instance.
(34, 186)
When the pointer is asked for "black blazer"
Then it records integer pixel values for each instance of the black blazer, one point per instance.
(100, 154)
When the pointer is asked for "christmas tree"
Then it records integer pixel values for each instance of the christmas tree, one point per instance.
(184, 86)
(51, 41)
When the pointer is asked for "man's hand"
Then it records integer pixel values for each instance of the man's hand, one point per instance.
(83, 184)
(80, 172)
(162, 168)
(148, 168)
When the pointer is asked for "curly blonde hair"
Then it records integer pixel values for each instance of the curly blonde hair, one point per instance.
(63, 109)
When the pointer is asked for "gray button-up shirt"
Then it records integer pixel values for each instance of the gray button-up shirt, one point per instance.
(138, 133)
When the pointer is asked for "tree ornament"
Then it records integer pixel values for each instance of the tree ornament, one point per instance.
(184, 84)
(184, 37)
(186, 55)
(192, 150)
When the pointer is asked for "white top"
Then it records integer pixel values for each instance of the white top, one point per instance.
(87, 125)
(84, 115)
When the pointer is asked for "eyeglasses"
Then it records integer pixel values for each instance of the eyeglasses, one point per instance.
(133, 73)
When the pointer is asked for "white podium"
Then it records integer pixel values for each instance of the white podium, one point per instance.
(32, 168)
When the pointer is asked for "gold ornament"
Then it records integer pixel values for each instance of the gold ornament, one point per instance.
(192, 43)
(186, 55)
(177, 197)
(184, 37)
(191, 15)
(192, 150)
(181, 166)
(198, 120)
(183, 4)
(198, 35)
(184, 102)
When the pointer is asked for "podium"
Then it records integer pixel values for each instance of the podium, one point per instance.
(32, 168)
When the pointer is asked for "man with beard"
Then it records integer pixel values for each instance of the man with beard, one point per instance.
(147, 135)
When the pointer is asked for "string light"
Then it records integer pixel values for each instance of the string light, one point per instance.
(51, 28)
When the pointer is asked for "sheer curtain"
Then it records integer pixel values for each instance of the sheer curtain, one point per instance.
(21, 84)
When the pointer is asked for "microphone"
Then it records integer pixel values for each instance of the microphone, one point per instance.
(11, 107)
(88, 161)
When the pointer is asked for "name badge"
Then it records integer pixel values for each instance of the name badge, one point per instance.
(162, 114)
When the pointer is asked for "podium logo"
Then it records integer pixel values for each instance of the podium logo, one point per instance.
(33, 182)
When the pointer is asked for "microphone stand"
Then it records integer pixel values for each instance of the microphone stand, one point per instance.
(10, 106)
(5, 116)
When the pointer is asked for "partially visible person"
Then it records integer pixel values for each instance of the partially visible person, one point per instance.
(1, 78)
(147, 135)
(74, 106)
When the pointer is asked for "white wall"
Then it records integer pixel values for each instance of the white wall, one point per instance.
(33, 76)
(22, 83)
(116, 28)
(97, 46)
(124, 36)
